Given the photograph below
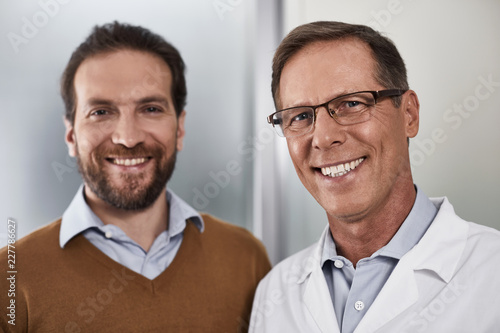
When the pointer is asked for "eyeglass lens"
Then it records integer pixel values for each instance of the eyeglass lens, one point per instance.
(346, 110)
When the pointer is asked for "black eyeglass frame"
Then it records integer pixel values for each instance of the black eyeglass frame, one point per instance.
(376, 96)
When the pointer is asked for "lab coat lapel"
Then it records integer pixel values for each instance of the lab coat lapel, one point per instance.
(317, 298)
(439, 250)
(318, 302)
(398, 294)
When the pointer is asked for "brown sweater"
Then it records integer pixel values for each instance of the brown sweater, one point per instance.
(208, 287)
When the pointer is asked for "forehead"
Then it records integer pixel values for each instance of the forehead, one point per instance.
(323, 70)
(121, 75)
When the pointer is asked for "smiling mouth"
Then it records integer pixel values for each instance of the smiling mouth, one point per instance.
(341, 169)
(128, 161)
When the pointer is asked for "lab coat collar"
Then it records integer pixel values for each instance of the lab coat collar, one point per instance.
(316, 295)
(439, 250)
(314, 260)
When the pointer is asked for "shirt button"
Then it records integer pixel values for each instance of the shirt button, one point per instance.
(108, 234)
(359, 305)
(338, 263)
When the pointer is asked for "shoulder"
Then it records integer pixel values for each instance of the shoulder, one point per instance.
(235, 245)
(279, 294)
(484, 233)
(483, 242)
(230, 237)
(37, 257)
(477, 235)
(479, 245)
(42, 238)
(448, 218)
(229, 233)
(293, 269)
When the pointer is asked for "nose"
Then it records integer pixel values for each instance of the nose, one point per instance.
(127, 131)
(327, 132)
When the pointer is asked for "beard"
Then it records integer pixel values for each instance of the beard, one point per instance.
(138, 193)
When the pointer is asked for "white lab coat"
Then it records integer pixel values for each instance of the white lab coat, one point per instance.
(449, 282)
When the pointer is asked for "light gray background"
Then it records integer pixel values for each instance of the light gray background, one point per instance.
(228, 46)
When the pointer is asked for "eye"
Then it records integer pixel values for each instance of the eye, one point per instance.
(352, 104)
(302, 116)
(299, 117)
(99, 112)
(152, 109)
(295, 118)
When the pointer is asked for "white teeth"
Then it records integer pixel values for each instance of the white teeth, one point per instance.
(128, 161)
(341, 169)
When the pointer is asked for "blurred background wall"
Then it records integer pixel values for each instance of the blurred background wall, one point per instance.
(232, 165)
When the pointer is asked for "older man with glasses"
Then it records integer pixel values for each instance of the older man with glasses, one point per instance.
(391, 259)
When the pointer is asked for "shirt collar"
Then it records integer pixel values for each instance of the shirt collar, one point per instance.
(408, 235)
(413, 228)
(179, 213)
(78, 217)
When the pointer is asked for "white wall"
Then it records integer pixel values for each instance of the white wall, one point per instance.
(450, 49)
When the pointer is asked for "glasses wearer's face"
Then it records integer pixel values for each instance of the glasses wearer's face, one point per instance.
(349, 109)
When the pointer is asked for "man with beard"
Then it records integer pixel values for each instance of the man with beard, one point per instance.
(129, 255)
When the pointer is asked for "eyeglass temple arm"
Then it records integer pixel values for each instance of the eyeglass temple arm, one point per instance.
(272, 121)
(389, 92)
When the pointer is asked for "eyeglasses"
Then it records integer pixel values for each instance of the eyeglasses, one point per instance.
(349, 109)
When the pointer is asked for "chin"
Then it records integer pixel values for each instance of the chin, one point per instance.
(347, 212)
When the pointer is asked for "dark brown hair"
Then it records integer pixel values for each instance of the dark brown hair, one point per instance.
(118, 36)
(390, 69)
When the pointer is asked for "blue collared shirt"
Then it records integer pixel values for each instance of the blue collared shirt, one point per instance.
(353, 290)
(113, 242)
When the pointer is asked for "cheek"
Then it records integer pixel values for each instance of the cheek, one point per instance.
(89, 138)
(165, 136)
(383, 132)
(294, 149)
(299, 151)
(386, 140)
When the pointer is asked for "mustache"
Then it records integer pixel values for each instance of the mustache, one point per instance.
(118, 151)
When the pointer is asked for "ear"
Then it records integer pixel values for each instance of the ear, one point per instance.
(69, 137)
(411, 107)
(181, 131)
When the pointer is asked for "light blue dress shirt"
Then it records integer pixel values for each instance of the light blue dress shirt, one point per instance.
(113, 242)
(353, 290)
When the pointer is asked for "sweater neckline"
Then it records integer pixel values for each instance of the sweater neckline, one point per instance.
(189, 247)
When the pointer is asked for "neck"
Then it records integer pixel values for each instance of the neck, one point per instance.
(141, 226)
(359, 239)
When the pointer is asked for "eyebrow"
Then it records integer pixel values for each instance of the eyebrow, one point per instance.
(148, 99)
(155, 98)
(305, 105)
(98, 101)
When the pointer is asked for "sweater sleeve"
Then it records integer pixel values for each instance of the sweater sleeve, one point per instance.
(262, 263)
